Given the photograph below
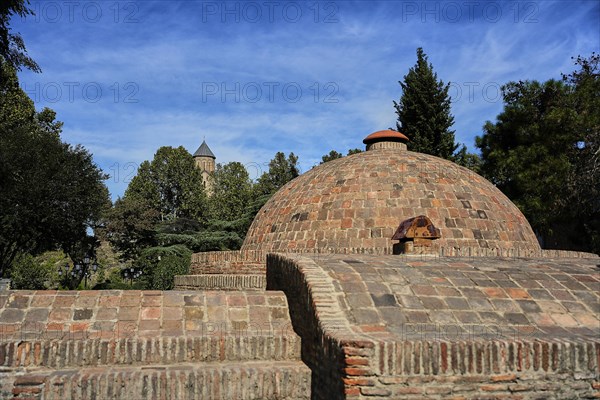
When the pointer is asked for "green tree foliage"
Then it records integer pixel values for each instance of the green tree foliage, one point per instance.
(424, 111)
(161, 264)
(27, 274)
(216, 235)
(584, 179)
(131, 226)
(16, 108)
(252, 209)
(165, 192)
(541, 153)
(52, 192)
(333, 155)
(172, 184)
(281, 171)
(232, 191)
(12, 46)
(468, 160)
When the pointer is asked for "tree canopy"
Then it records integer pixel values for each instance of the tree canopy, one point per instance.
(52, 192)
(171, 184)
(424, 111)
(12, 45)
(281, 171)
(167, 189)
(334, 155)
(543, 153)
(232, 191)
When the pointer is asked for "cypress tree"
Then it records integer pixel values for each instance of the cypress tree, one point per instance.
(424, 111)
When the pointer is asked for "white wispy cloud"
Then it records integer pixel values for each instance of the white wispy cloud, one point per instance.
(171, 50)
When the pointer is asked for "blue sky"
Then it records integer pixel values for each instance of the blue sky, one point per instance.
(254, 78)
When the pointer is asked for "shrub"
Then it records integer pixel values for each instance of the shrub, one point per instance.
(27, 273)
(161, 264)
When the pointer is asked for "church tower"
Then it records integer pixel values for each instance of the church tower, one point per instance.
(205, 160)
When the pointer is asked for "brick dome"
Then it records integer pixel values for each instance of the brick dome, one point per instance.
(358, 202)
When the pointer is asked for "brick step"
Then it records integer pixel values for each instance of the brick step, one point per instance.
(233, 380)
(221, 282)
(147, 351)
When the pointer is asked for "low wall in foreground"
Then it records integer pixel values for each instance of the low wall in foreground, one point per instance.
(353, 360)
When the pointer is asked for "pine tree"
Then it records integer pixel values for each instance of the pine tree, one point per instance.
(424, 111)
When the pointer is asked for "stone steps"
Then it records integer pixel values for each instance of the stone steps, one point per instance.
(223, 380)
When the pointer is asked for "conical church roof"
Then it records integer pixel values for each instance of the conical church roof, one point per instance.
(204, 151)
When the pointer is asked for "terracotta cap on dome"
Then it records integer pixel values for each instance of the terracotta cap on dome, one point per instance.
(385, 136)
(386, 139)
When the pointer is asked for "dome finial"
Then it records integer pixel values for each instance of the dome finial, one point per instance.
(386, 139)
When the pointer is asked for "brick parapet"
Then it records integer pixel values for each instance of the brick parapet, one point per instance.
(146, 344)
(69, 353)
(220, 282)
(411, 369)
(61, 329)
(254, 261)
(251, 380)
(315, 317)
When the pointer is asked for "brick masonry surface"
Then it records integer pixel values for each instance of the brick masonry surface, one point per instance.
(358, 201)
(401, 327)
(149, 344)
(253, 262)
(281, 380)
(221, 282)
(228, 262)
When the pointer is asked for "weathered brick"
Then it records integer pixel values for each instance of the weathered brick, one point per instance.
(438, 390)
(374, 391)
(408, 390)
(494, 388)
(356, 361)
(359, 382)
(358, 372)
(520, 387)
(30, 380)
(504, 378)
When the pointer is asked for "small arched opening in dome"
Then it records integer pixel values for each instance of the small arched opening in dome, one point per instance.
(416, 235)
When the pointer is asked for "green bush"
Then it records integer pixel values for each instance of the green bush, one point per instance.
(165, 271)
(161, 264)
(27, 273)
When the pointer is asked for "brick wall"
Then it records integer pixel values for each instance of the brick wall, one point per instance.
(149, 345)
(220, 282)
(253, 261)
(441, 370)
(348, 364)
(228, 262)
(320, 351)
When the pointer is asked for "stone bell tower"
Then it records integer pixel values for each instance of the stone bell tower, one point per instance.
(205, 160)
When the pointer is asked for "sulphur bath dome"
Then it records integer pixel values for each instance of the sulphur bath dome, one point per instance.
(358, 203)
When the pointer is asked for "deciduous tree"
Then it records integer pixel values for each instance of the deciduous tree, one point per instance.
(171, 184)
(281, 171)
(232, 191)
(542, 152)
(12, 46)
(52, 192)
